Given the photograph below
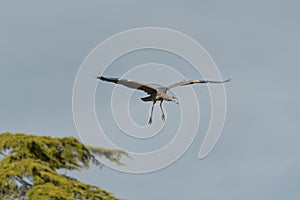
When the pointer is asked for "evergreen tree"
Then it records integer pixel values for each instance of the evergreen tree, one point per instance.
(30, 165)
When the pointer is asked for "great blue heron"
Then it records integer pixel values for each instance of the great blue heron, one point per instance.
(156, 94)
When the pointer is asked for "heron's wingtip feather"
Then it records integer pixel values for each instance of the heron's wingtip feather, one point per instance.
(102, 78)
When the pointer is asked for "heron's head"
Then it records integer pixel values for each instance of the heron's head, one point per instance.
(175, 100)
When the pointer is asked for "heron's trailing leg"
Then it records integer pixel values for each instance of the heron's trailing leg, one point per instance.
(162, 111)
(150, 120)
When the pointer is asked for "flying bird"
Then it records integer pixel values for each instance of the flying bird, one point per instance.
(155, 94)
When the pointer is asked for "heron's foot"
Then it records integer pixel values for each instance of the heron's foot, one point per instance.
(150, 121)
(163, 117)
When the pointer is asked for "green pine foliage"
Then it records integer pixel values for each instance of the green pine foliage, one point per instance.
(30, 165)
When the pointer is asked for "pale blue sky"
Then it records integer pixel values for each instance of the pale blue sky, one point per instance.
(256, 43)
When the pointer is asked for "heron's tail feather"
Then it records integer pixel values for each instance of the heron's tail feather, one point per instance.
(149, 98)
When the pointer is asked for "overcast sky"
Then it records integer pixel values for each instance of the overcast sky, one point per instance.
(256, 43)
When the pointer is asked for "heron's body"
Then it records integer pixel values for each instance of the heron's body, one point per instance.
(161, 95)
(155, 94)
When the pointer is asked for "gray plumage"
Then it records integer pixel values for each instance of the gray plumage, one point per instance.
(156, 94)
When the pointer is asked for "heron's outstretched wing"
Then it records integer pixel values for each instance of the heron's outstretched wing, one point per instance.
(130, 84)
(189, 82)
